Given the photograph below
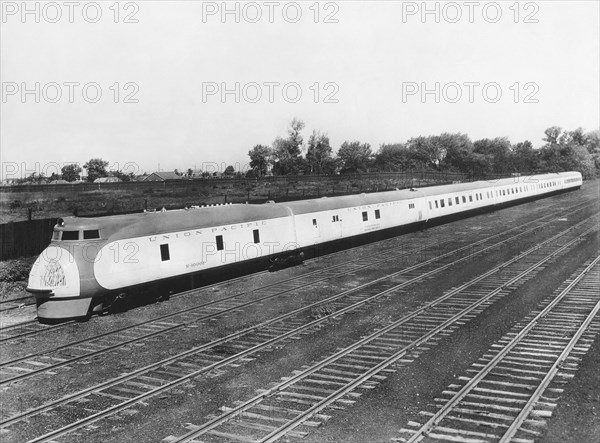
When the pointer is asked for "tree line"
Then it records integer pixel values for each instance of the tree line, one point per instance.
(96, 168)
(563, 150)
(452, 152)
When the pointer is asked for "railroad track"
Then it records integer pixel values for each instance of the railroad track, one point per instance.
(228, 304)
(513, 388)
(32, 328)
(302, 398)
(16, 303)
(34, 364)
(142, 384)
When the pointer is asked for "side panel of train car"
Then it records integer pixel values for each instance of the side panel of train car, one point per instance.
(90, 260)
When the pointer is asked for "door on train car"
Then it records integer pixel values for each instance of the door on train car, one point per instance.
(336, 226)
(316, 228)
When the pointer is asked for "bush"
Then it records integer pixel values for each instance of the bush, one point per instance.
(15, 270)
(35, 206)
(15, 204)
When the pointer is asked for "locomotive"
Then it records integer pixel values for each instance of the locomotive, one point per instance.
(91, 262)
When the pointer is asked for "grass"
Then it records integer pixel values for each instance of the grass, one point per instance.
(13, 277)
(15, 270)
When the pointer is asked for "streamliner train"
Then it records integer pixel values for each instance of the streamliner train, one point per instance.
(90, 262)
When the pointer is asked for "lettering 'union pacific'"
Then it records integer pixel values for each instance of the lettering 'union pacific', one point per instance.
(200, 232)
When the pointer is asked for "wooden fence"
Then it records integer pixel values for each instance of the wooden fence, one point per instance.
(25, 238)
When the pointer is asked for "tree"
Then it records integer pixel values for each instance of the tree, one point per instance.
(578, 136)
(96, 168)
(552, 134)
(54, 176)
(122, 176)
(571, 157)
(32, 178)
(394, 157)
(287, 151)
(592, 142)
(567, 151)
(354, 156)
(479, 166)
(294, 134)
(260, 159)
(525, 158)
(71, 172)
(190, 172)
(458, 152)
(427, 150)
(229, 170)
(319, 159)
(498, 150)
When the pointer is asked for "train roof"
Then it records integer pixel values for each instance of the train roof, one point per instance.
(152, 223)
(332, 203)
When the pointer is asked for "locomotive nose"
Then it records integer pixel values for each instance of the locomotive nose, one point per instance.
(54, 274)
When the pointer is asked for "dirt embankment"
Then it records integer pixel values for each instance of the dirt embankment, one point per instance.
(46, 201)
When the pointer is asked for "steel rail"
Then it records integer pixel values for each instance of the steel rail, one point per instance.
(46, 328)
(198, 430)
(211, 315)
(19, 302)
(43, 328)
(256, 327)
(125, 404)
(185, 323)
(451, 403)
(510, 432)
(248, 330)
(191, 291)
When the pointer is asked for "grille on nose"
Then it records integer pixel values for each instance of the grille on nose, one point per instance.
(54, 275)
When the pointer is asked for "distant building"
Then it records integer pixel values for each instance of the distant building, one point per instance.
(107, 180)
(162, 176)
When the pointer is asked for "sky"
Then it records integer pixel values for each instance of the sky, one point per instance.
(188, 84)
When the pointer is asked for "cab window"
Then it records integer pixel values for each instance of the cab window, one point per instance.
(70, 235)
(91, 234)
